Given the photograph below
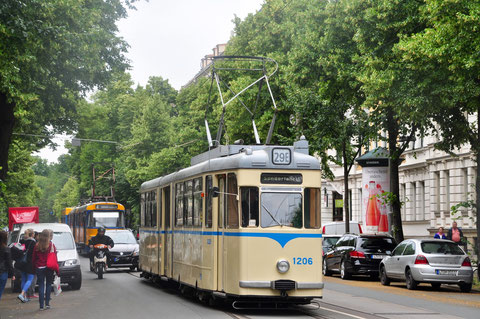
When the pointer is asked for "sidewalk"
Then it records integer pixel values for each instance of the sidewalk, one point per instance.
(12, 308)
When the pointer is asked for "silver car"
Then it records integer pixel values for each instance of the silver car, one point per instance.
(434, 261)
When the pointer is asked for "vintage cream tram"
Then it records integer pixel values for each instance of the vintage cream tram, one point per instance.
(242, 223)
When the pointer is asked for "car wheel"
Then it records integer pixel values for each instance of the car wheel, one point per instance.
(76, 285)
(326, 271)
(384, 280)
(344, 274)
(411, 283)
(436, 285)
(465, 287)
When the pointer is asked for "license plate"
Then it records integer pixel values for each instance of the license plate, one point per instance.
(377, 256)
(446, 272)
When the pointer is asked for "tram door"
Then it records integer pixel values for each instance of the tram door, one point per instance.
(221, 227)
(167, 248)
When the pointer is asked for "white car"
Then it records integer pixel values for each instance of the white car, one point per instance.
(68, 261)
(338, 228)
(434, 261)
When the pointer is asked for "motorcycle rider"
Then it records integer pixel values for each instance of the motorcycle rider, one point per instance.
(101, 238)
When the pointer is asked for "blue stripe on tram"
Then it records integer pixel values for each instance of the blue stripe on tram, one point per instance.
(281, 238)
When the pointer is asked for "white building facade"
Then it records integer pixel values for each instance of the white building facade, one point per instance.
(431, 182)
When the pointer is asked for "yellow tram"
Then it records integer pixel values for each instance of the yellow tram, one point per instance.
(242, 223)
(65, 212)
(86, 219)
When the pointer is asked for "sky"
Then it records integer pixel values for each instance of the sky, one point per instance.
(169, 39)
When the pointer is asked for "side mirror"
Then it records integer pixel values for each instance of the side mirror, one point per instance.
(215, 191)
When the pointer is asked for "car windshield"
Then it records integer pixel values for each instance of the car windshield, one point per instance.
(122, 237)
(441, 248)
(330, 241)
(63, 241)
(281, 209)
(385, 243)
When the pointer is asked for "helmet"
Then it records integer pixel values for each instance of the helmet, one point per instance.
(100, 230)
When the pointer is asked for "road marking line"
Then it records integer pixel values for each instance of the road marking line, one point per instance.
(343, 313)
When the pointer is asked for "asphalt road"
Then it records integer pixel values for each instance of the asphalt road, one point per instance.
(122, 294)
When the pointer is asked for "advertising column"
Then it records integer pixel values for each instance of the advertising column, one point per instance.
(375, 182)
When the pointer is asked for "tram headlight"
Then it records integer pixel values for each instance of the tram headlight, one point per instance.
(283, 266)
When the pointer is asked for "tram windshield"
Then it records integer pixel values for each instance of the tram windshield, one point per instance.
(281, 209)
(106, 219)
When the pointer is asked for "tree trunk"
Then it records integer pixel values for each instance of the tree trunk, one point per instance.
(346, 205)
(394, 163)
(7, 122)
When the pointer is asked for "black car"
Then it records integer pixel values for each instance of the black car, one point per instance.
(358, 255)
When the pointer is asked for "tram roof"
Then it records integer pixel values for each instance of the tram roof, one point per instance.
(226, 157)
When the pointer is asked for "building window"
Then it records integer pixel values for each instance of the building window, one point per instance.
(447, 191)
(403, 199)
(421, 201)
(414, 201)
(437, 192)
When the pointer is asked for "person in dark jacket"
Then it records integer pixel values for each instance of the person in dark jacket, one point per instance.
(101, 238)
(455, 234)
(26, 268)
(6, 269)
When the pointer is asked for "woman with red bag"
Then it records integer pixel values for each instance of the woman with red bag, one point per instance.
(45, 263)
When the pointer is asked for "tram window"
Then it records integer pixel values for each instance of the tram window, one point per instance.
(153, 212)
(197, 202)
(232, 201)
(221, 201)
(142, 209)
(166, 192)
(148, 211)
(188, 197)
(179, 204)
(312, 208)
(249, 206)
(208, 202)
(281, 209)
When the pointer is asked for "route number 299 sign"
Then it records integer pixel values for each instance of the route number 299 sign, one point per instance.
(281, 156)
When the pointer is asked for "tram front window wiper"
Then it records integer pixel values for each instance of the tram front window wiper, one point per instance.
(271, 215)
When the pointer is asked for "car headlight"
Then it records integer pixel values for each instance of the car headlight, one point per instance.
(283, 266)
(70, 262)
(135, 252)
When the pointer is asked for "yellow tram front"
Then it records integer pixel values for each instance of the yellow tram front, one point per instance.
(85, 220)
(242, 223)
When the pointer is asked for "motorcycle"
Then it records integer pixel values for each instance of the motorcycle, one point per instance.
(99, 260)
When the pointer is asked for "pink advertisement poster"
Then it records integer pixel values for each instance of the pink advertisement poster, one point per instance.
(375, 181)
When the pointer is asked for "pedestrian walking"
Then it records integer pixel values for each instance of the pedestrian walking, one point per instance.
(6, 269)
(26, 265)
(31, 291)
(45, 275)
(440, 234)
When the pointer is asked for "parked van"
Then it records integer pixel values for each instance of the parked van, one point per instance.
(338, 228)
(68, 261)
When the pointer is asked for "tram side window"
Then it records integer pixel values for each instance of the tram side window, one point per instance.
(312, 208)
(166, 192)
(232, 202)
(153, 212)
(208, 201)
(249, 197)
(142, 209)
(179, 204)
(188, 200)
(197, 202)
(148, 210)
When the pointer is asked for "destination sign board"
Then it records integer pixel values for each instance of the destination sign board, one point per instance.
(275, 178)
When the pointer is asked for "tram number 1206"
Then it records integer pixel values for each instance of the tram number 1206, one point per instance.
(302, 261)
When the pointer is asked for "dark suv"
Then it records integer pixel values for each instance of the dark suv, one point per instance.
(358, 255)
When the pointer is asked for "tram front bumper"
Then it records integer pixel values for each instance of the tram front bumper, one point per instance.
(281, 284)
